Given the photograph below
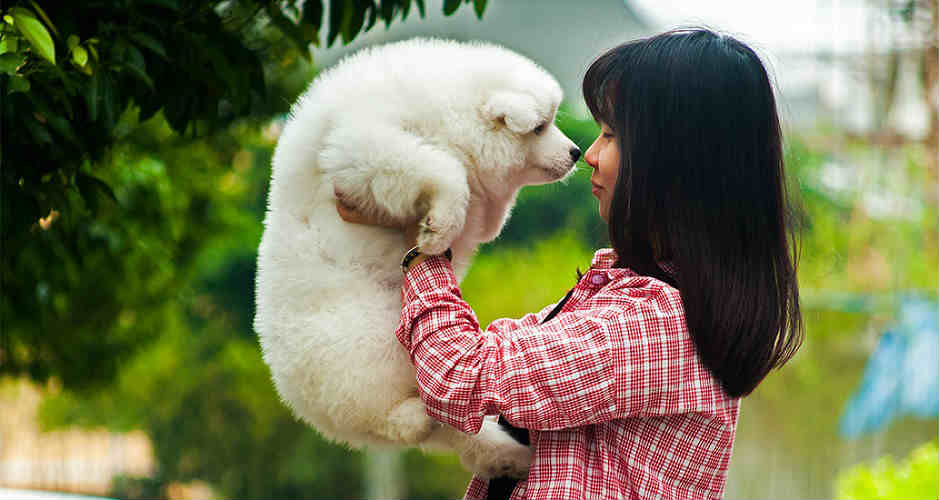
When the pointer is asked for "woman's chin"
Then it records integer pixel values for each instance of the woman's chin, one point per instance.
(603, 211)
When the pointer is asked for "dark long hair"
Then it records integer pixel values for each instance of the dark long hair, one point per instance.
(701, 185)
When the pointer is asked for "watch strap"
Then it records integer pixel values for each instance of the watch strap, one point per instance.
(414, 252)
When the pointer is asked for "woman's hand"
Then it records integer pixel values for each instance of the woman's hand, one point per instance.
(351, 214)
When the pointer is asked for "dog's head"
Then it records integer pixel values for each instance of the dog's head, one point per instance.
(520, 144)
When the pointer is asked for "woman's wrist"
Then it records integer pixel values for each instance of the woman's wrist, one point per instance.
(414, 256)
(417, 260)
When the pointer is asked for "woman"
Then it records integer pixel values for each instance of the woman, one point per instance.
(631, 390)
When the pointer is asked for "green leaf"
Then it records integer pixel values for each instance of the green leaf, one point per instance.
(169, 4)
(35, 33)
(387, 11)
(92, 190)
(9, 44)
(91, 97)
(44, 17)
(10, 61)
(72, 42)
(352, 25)
(148, 42)
(289, 29)
(372, 17)
(479, 6)
(37, 129)
(79, 56)
(450, 6)
(18, 84)
(63, 127)
(311, 17)
(138, 66)
(313, 14)
(337, 10)
(420, 8)
(109, 102)
(148, 108)
(8, 18)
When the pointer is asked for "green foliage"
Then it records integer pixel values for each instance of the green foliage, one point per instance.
(32, 30)
(916, 477)
(432, 476)
(848, 250)
(528, 279)
(132, 488)
(89, 247)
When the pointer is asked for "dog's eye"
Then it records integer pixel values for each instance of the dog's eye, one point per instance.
(540, 128)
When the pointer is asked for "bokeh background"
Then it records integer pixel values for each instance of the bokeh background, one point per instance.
(137, 139)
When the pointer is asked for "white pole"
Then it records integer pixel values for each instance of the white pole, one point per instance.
(384, 474)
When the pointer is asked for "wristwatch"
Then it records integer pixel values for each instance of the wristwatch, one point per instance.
(414, 252)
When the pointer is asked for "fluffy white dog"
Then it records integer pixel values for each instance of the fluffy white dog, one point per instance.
(431, 130)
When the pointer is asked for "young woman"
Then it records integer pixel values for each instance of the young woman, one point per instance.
(631, 388)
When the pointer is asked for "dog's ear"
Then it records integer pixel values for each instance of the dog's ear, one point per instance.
(515, 110)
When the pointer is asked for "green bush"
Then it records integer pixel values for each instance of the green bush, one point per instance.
(916, 477)
(514, 281)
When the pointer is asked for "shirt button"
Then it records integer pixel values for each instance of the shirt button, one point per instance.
(599, 279)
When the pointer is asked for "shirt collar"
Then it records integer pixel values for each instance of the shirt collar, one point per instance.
(604, 258)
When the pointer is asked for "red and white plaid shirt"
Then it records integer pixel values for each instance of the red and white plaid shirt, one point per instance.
(616, 400)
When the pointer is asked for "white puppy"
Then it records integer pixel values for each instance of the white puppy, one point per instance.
(431, 130)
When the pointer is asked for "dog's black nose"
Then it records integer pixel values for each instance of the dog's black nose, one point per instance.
(575, 154)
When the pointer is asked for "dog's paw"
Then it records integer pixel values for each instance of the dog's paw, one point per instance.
(408, 423)
(493, 453)
(512, 461)
(437, 233)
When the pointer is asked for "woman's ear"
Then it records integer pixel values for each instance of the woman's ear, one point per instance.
(515, 110)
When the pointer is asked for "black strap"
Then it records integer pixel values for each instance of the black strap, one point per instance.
(500, 488)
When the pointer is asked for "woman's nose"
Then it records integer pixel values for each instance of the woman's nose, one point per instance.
(590, 157)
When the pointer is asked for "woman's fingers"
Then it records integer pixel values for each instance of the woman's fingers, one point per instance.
(349, 214)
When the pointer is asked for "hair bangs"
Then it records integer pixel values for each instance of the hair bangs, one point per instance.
(600, 82)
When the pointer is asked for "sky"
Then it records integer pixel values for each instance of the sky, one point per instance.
(841, 26)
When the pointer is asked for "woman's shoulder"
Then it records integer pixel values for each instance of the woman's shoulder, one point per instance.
(621, 290)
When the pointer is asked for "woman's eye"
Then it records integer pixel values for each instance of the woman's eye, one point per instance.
(540, 128)
(607, 135)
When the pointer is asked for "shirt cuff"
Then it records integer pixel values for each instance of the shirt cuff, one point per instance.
(424, 284)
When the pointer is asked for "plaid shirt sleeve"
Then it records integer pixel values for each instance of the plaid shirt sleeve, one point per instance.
(612, 354)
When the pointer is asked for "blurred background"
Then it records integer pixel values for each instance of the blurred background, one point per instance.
(137, 139)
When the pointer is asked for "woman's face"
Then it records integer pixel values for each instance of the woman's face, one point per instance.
(603, 156)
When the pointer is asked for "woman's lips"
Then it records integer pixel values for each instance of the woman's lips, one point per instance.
(596, 188)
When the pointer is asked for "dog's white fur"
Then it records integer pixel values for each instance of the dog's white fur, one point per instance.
(431, 130)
